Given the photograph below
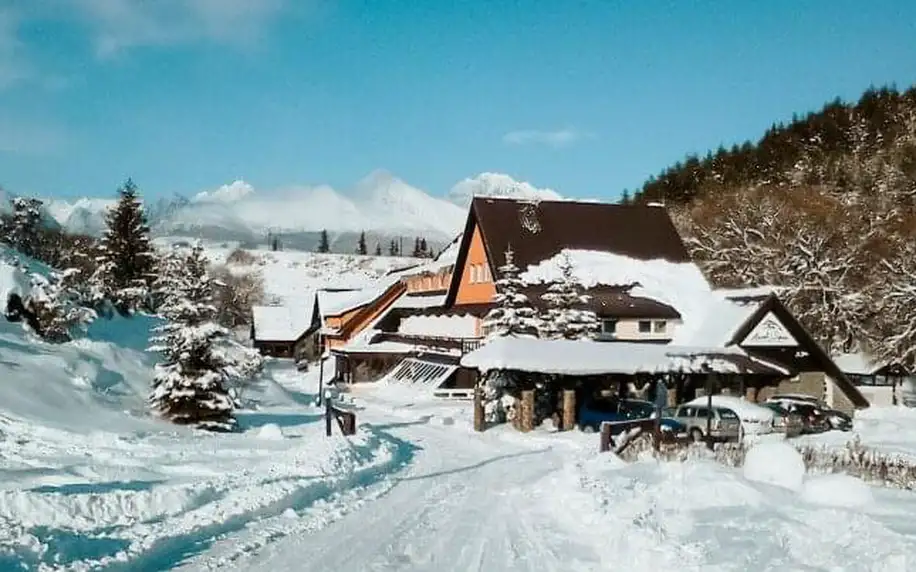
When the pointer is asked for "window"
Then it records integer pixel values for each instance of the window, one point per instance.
(702, 412)
(485, 273)
(660, 326)
(645, 327)
(474, 277)
(608, 328)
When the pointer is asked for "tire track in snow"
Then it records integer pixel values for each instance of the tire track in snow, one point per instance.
(263, 525)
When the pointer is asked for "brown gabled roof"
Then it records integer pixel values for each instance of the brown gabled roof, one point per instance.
(537, 231)
(612, 302)
(773, 304)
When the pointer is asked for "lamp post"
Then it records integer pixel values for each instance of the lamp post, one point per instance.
(320, 368)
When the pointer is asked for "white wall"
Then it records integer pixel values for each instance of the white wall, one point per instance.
(442, 326)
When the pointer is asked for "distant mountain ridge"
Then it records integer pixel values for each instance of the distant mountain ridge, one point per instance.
(380, 204)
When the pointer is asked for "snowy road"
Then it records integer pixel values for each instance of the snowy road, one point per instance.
(463, 505)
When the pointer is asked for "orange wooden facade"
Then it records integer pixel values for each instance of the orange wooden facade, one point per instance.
(476, 285)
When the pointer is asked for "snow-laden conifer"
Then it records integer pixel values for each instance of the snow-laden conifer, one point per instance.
(567, 316)
(126, 259)
(191, 383)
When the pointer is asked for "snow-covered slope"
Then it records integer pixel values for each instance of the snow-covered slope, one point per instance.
(380, 204)
(292, 277)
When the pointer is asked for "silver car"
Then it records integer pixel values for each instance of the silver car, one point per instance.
(724, 424)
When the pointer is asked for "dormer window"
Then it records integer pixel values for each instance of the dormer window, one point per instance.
(645, 326)
(659, 326)
(608, 327)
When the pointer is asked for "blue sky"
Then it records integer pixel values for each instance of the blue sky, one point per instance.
(586, 97)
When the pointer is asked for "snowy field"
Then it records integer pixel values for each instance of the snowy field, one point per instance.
(293, 276)
(91, 482)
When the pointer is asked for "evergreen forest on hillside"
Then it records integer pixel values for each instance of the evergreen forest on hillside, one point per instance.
(824, 206)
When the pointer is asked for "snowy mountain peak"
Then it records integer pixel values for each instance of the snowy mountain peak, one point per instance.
(230, 193)
(497, 185)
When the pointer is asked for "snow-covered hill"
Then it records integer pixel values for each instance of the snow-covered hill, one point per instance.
(380, 204)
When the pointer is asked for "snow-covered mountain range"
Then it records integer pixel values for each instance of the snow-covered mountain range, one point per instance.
(380, 204)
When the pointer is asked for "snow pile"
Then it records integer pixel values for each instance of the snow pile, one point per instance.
(775, 463)
(888, 430)
(270, 432)
(837, 491)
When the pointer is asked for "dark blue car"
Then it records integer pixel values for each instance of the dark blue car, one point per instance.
(595, 411)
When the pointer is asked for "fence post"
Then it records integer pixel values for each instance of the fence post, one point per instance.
(527, 410)
(604, 439)
(569, 409)
(479, 420)
(327, 417)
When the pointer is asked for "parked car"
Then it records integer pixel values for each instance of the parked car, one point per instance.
(827, 418)
(813, 419)
(754, 419)
(724, 423)
(785, 421)
(593, 412)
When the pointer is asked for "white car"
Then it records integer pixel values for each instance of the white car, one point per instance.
(755, 420)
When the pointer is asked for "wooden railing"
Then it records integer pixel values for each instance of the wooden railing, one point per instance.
(346, 420)
(441, 343)
(644, 426)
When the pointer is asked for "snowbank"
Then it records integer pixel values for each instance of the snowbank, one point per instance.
(837, 491)
(775, 463)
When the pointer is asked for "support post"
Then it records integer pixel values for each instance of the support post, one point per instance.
(569, 410)
(327, 417)
(479, 420)
(320, 372)
(527, 410)
(604, 438)
(709, 388)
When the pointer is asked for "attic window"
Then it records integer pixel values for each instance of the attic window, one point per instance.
(528, 216)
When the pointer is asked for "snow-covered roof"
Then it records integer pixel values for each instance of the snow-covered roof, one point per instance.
(715, 319)
(336, 303)
(744, 409)
(419, 302)
(857, 363)
(280, 323)
(593, 358)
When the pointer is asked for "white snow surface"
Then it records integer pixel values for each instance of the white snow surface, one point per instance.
(281, 323)
(90, 482)
(575, 357)
(292, 277)
(775, 463)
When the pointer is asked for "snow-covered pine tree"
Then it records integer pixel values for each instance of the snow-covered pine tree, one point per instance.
(25, 225)
(190, 386)
(55, 303)
(566, 316)
(126, 262)
(513, 314)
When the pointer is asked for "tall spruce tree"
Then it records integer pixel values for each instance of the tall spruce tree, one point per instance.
(393, 248)
(323, 244)
(126, 260)
(417, 253)
(378, 248)
(191, 383)
(513, 314)
(361, 246)
(424, 248)
(567, 316)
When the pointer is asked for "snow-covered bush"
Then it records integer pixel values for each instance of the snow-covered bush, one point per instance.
(498, 405)
(56, 305)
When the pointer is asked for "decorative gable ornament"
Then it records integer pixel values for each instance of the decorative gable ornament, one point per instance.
(770, 332)
(528, 216)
